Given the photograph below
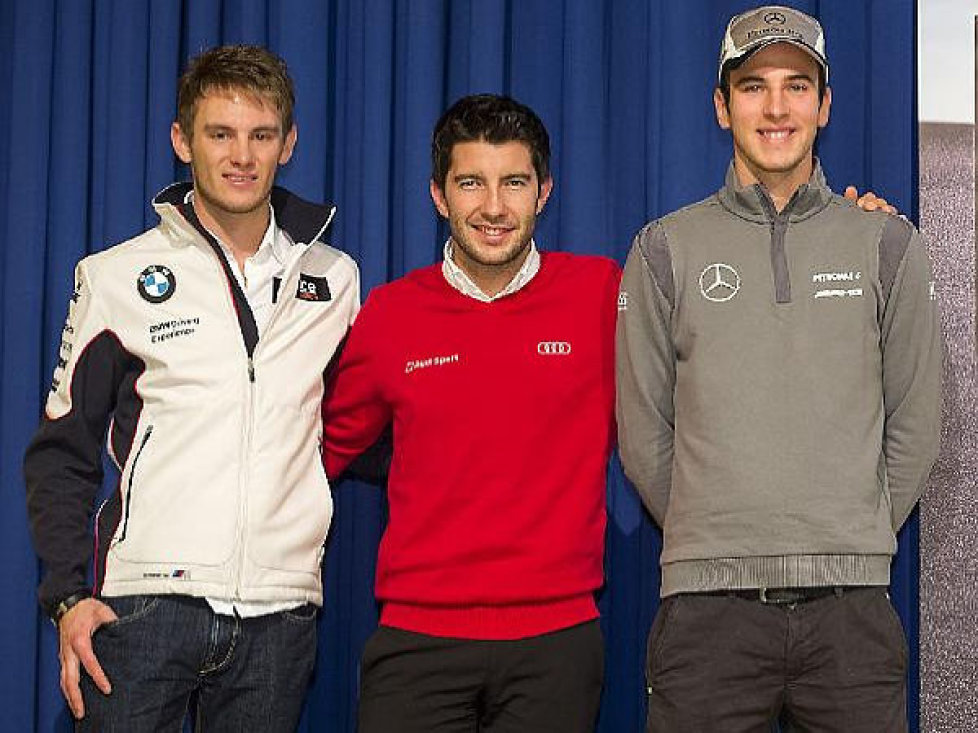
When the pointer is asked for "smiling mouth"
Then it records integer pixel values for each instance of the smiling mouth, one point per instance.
(776, 136)
(492, 231)
(238, 178)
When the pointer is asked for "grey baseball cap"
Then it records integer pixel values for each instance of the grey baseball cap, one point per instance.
(755, 29)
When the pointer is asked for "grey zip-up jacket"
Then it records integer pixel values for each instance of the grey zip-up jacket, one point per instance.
(778, 387)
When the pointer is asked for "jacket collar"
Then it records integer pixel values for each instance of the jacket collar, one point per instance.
(303, 221)
(753, 203)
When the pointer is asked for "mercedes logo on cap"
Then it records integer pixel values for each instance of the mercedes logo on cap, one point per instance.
(775, 18)
(719, 282)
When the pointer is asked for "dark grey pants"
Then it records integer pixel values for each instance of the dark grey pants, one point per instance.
(415, 683)
(730, 665)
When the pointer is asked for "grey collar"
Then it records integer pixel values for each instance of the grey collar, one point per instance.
(754, 204)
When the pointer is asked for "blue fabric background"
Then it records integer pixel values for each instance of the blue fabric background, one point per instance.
(624, 87)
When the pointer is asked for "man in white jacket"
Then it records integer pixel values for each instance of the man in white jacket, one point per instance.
(197, 351)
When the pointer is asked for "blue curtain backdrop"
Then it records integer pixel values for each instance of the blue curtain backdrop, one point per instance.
(624, 86)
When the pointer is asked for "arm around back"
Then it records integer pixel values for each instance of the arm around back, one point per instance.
(355, 412)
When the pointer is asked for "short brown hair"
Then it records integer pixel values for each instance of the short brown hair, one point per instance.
(251, 69)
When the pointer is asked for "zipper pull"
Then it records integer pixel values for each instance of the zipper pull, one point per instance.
(251, 370)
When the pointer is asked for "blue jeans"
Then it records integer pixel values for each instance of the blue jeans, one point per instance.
(248, 674)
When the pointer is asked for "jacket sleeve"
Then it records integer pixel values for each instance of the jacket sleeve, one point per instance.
(912, 364)
(355, 411)
(63, 462)
(646, 370)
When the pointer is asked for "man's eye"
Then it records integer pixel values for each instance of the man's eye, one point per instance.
(516, 183)
(468, 183)
(219, 135)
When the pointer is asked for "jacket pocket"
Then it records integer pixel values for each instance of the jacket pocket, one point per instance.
(130, 483)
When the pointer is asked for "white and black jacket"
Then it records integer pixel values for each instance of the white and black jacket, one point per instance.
(216, 433)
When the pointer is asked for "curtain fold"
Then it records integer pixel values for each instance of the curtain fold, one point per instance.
(625, 89)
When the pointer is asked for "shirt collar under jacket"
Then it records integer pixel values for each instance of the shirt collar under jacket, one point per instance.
(457, 278)
(753, 203)
(302, 222)
(274, 242)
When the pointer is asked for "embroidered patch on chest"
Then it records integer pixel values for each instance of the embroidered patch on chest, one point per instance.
(841, 284)
(413, 365)
(719, 282)
(554, 348)
(156, 284)
(314, 289)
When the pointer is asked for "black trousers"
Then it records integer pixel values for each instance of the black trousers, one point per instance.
(415, 683)
(724, 664)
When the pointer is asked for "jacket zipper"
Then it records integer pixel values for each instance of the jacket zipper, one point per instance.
(243, 481)
(132, 472)
(779, 258)
(98, 571)
(249, 432)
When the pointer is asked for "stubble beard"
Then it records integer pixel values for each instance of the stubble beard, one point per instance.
(498, 258)
(220, 205)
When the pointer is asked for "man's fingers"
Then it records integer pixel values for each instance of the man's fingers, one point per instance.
(869, 201)
(75, 631)
(90, 663)
(103, 615)
(69, 683)
(875, 201)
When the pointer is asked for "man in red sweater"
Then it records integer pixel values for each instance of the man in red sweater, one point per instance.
(496, 369)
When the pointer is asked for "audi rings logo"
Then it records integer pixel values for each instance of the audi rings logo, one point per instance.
(554, 348)
(719, 282)
(775, 18)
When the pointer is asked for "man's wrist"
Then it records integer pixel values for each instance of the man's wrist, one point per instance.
(57, 611)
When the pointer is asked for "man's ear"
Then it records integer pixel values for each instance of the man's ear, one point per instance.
(823, 110)
(290, 140)
(545, 189)
(438, 196)
(180, 142)
(720, 105)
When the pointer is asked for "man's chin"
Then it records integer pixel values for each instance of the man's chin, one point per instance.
(237, 206)
(498, 259)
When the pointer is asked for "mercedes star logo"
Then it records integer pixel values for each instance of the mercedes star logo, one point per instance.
(775, 18)
(719, 282)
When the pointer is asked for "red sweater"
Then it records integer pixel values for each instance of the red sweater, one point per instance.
(503, 418)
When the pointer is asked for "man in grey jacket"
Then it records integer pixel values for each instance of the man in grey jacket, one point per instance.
(778, 403)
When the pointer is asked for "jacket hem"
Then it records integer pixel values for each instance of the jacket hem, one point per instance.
(196, 589)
